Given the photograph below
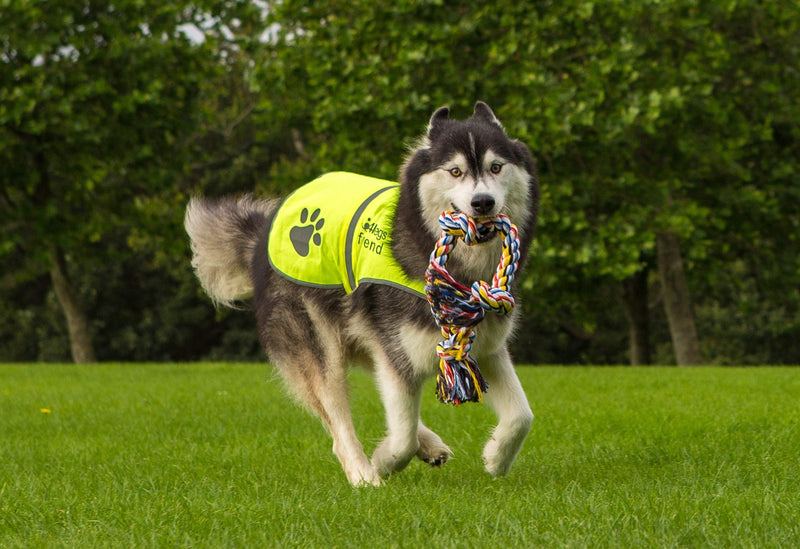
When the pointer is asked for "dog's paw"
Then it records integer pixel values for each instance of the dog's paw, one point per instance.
(363, 474)
(436, 460)
(496, 462)
(432, 450)
(505, 443)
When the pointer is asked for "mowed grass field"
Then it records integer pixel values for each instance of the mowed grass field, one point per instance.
(215, 455)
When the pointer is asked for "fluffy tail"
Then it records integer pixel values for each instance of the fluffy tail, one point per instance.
(224, 233)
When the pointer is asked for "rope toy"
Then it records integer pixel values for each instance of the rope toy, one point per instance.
(457, 308)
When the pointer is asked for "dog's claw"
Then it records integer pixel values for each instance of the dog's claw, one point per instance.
(437, 461)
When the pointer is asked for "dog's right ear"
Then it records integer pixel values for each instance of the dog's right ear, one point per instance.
(441, 114)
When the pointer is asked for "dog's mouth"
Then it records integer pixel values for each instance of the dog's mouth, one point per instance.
(484, 235)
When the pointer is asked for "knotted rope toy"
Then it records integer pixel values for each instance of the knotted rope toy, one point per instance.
(458, 309)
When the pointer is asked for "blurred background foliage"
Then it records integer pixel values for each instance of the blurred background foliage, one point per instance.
(657, 126)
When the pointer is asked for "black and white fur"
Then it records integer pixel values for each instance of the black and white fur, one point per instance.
(313, 335)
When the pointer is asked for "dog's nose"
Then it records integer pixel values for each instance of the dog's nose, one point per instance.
(482, 203)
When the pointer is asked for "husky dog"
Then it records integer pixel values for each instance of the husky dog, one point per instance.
(312, 332)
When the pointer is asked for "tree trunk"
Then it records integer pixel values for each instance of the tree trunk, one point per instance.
(677, 301)
(636, 305)
(77, 324)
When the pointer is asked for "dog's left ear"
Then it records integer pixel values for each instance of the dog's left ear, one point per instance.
(484, 112)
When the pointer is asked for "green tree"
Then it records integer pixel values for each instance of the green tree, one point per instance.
(645, 117)
(666, 134)
(678, 97)
(96, 103)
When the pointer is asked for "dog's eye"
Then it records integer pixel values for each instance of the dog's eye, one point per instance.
(456, 172)
(495, 169)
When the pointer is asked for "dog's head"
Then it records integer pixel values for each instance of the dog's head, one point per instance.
(472, 166)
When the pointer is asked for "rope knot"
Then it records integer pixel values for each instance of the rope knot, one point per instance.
(493, 298)
(458, 308)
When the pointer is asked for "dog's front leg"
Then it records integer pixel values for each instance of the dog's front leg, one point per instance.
(401, 399)
(507, 399)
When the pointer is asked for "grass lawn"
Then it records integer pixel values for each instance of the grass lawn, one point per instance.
(215, 455)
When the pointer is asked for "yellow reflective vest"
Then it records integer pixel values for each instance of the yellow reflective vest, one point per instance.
(336, 232)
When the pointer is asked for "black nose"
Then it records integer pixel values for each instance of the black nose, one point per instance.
(482, 203)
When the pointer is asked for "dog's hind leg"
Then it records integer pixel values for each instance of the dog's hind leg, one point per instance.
(317, 372)
(325, 392)
(336, 409)
(507, 399)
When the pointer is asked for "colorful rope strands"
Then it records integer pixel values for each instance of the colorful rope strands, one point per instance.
(457, 308)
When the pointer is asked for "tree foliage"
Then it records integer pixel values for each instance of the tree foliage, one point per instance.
(646, 118)
(100, 103)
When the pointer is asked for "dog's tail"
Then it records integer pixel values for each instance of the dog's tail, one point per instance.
(223, 234)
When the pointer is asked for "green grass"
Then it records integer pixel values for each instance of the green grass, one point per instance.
(215, 455)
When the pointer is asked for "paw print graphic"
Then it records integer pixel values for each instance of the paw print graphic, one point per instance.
(303, 235)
